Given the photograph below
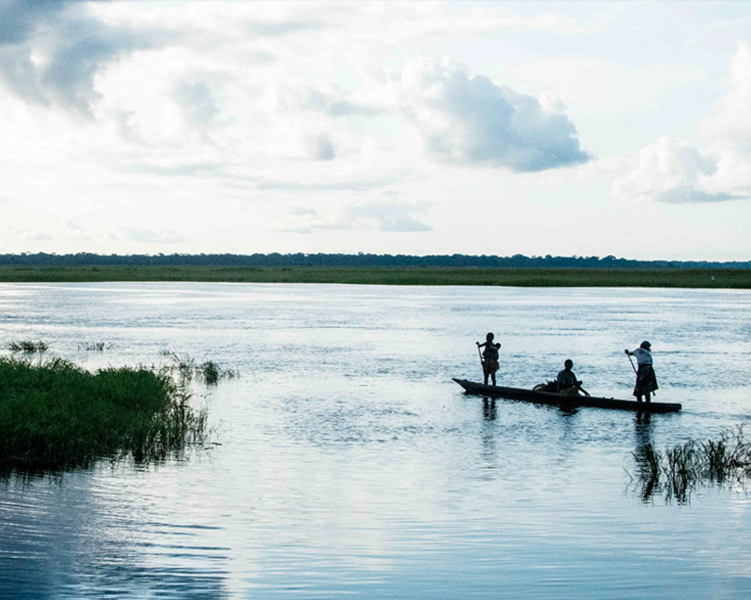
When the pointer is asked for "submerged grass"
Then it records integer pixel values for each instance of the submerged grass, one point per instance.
(28, 346)
(677, 471)
(537, 277)
(95, 346)
(56, 414)
(208, 371)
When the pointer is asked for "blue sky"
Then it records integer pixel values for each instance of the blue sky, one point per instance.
(562, 128)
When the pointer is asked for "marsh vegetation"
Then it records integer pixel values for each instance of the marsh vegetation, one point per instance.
(187, 368)
(55, 414)
(28, 346)
(676, 472)
(429, 276)
(95, 346)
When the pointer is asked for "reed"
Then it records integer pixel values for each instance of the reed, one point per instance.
(678, 471)
(186, 367)
(56, 414)
(94, 346)
(28, 346)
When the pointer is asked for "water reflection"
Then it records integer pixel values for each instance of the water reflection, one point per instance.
(489, 411)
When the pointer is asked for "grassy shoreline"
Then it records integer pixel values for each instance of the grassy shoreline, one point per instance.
(429, 276)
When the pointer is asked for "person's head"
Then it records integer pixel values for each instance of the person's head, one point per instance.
(489, 337)
(569, 364)
(645, 344)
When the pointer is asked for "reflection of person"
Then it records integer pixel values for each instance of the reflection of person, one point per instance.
(489, 357)
(646, 381)
(567, 383)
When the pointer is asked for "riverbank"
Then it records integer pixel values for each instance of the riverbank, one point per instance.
(535, 277)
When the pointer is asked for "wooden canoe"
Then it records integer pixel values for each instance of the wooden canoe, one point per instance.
(565, 401)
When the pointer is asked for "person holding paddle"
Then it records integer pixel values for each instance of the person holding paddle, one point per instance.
(489, 357)
(646, 381)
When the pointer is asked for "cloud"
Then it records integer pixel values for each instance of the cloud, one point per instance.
(163, 236)
(198, 102)
(320, 147)
(51, 52)
(334, 103)
(183, 170)
(391, 216)
(668, 171)
(20, 18)
(384, 215)
(327, 98)
(470, 120)
(282, 28)
(347, 186)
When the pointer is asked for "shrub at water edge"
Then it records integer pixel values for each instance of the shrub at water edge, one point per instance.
(57, 414)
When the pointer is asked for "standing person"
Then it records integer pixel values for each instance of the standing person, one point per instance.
(567, 383)
(646, 382)
(489, 357)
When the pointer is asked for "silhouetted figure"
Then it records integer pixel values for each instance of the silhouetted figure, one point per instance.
(567, 383)
(489, 357)
(646, 381)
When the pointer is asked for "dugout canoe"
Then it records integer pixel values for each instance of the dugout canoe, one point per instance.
(499, 391)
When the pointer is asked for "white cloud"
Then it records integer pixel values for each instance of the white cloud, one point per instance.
(382, 215)
(471, 120)
(668, 171)
(146, 235)
(731, 121)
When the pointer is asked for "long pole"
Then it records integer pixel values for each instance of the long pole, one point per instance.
(632, 363)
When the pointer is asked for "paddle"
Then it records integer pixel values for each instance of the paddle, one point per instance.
(631, 361)
(480, 353)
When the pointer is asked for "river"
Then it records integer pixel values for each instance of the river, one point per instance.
(347, 462)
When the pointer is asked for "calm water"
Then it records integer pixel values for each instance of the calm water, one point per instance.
(351, 464)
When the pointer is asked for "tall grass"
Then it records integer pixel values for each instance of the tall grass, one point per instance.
(678, 471)
(56, 414)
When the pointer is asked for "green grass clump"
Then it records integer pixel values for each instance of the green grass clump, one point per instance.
(677, 471)
(57, 414)
(28, 346)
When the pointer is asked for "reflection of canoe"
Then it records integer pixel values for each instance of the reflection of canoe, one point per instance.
(560, 400)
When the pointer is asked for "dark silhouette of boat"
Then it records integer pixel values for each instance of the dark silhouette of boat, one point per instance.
(563, 400)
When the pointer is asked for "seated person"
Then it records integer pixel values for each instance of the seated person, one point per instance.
(567, 382)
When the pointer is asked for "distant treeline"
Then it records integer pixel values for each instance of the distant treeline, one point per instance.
(356, 260)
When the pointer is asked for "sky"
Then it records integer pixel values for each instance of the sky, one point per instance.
(500, 128)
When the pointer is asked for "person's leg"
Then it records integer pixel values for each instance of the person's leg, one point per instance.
(492, 376)
(638, 398)
(647, 397)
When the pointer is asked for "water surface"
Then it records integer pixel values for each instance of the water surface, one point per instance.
(351, 464)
